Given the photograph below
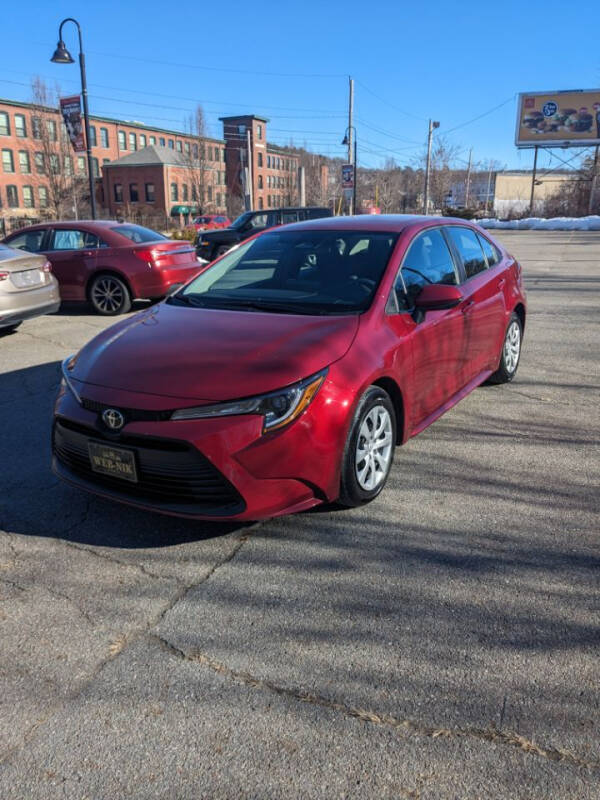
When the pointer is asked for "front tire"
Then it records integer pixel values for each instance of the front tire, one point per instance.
(109, 295)
(221, 250)
(511, 352)
(369, 451)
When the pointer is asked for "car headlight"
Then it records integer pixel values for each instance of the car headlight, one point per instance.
(66, 366)
(278, 408)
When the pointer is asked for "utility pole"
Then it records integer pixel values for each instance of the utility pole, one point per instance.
(468, 186)
(594, 179)
(250, 170)
(432, 125)
(533, 181)
(302, 185)
(351, 160)
(489, 185)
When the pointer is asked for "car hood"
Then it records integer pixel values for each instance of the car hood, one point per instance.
(210, 354)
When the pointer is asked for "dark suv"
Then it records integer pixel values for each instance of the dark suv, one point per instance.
(211, 244)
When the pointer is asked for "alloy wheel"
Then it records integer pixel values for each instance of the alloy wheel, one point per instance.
(108, 295)
(512, 346)
(374, 448)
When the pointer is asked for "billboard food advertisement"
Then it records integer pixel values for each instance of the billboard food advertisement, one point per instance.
(558, 118)
(71, 112)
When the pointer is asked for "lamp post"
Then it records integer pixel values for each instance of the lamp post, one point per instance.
(432, 126)
(62, 56)
(345, 141)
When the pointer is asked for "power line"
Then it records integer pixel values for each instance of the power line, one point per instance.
(480, 116)
(391, 105)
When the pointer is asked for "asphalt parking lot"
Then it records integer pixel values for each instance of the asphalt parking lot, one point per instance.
(442, 642)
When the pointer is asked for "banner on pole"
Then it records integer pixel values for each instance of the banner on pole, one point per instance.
(71, 112)
(347, 176)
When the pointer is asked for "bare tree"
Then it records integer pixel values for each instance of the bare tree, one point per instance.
(52, 157)
(195, 160)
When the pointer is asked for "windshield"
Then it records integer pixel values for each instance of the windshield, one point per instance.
(295, 272)
(243, 218)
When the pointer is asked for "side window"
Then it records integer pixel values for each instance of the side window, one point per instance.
(469, 248)
(428, 260)
(30, 241)
(74, 240)
(289, 216)
(258, 221)
(492, 254)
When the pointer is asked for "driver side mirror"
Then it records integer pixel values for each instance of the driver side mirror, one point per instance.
(437, 296)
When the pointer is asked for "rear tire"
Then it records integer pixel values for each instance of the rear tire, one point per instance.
(369, 451)
(511, 352)
(109, 295)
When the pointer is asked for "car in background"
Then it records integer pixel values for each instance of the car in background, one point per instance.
(285, 374)
(107, 263)
(209, 222)
(27, 288)
(212, 244)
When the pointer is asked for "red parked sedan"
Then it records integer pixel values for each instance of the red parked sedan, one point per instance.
(109, 263)
(285, 374)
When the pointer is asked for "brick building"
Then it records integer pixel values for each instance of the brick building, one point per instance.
(41, 176)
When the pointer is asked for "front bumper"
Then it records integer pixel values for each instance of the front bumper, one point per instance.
(237, 472)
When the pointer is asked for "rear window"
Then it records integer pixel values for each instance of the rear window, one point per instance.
(492, 254)
(137, 234)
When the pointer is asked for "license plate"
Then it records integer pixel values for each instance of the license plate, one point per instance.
(26, 278)
(113, 461)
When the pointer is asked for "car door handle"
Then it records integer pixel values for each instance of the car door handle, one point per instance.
(466, 307)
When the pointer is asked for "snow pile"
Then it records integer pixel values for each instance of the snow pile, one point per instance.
(539, 224)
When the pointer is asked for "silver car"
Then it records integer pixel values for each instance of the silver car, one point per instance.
(27, 287)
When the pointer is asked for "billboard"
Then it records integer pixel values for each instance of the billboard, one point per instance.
(558, 119)
(71, 112)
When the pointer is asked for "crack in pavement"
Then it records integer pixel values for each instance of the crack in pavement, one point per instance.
(124, 641)
(407, 726)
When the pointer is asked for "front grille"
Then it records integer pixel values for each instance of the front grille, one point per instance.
(171, 474)
(130, 414)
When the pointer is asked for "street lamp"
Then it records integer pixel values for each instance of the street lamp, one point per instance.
(62, 56)
(345, 141)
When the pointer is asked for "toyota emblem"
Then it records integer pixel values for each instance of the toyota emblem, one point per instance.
(113, 419)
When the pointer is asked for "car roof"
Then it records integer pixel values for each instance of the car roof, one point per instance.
(387, 223)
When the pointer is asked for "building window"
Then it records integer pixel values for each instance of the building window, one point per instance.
(209, 193)
(184, 192)
(40, 164)
(20, 126)
(80, 164)
(28, 197)
(133, 192)
(118, 191)
(195, 151)
(260, 203)
(24, 164)
(194, 193)
(260, 160)
(95, 168)
(36, 127)
(132, 141)
(122, 140)
(106, 161)
(103, 137)
(8, 165)
(174, 194)
(259, 133)
(51, 127)
(179, 146)
(171, 144)
(12, 196)
(149, 192)
(4, 124)
(187, 148)
(242, 129)
(218, 199)
(260, 181)
(43, 195)
(93, 136)
(161, 141)
(54, 164)
(142, 140)
(68, 165)
(269, 162)
(153, 140)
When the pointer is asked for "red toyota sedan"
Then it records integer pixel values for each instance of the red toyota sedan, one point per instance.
(285, 374)
(109, 263)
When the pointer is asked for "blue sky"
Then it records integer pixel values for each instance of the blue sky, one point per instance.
(154, 61)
